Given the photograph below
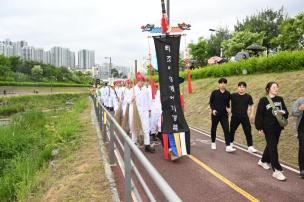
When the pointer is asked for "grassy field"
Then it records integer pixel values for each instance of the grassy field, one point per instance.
(198, 113)
(46, 129)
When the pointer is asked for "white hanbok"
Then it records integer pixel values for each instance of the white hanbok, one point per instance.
(143, 104)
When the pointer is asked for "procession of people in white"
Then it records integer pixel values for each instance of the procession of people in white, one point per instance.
(140, 94)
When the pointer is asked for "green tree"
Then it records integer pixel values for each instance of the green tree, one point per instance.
(267, 21)
(292, 33)
(4, 71)
(4, 60)
(216, 40)
(199, 51)
(15, 63)
(37, 72)
(114, 72)
(240, 40)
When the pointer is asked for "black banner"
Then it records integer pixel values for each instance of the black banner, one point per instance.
(167, 52)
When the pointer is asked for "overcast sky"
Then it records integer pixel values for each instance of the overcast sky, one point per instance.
(112, 27)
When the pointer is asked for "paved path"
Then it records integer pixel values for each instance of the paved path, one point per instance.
(214, 175)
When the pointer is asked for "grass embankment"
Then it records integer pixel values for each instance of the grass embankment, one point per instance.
(43, 126)
(20, 90)
(42, 84)
(283, 61)
(198, 113)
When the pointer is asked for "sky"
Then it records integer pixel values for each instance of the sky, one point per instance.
(112, 27)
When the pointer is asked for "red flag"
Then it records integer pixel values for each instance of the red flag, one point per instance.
(182, 100)
(166, 146)
(164, 24)
(189, 82)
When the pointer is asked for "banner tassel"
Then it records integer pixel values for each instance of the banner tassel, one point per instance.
(166, 146)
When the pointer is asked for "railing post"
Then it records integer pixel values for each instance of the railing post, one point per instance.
(111, 153)
(127, 162)
(97, 109)
(104, 123)
(101, 118)
(99, 112)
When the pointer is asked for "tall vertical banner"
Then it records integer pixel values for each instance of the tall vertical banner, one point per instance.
(167, 53)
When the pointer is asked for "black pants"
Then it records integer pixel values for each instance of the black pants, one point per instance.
(223, 119)
(301, 150)
(234, 124)
(270, 154)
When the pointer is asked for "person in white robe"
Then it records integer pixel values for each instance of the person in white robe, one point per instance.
(140, 95)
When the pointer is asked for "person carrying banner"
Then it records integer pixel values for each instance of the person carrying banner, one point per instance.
(219, 103)
(127, 95)
(139, 113)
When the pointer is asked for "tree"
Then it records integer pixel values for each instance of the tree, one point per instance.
(15, 63)
(199, 51)
(4, 71)
(291, 33)
(267, 21)
(240, 40)
(215, 41)
(37, 72)
(114, 72)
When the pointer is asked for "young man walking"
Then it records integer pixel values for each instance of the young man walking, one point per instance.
(240, 102)
(219, 102)
(297, 111)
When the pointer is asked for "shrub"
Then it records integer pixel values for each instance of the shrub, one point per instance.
(281, 62)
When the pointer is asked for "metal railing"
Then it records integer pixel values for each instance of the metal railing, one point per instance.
(108, 124)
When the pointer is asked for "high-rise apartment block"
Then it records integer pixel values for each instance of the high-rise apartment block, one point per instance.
(86, 59)
(57, 56)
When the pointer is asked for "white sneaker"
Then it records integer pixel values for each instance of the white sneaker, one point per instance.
(266, 166)
(251, 149)
(278, 175)
(213, 145)
(231, 144)
(229, 149)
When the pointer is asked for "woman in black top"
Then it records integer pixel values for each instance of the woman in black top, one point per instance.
(267, 124)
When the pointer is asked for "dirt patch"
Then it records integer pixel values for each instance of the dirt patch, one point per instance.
(80, 176)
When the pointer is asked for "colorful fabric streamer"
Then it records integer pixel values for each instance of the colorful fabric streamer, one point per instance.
(177, 143)
(183, 143)
(172, 144)
(166, 146)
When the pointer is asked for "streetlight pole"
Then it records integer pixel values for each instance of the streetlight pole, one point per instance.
(214, 30)
(110, 66)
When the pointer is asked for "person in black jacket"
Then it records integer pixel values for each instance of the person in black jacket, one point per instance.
(267, 124)
(219, 102)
